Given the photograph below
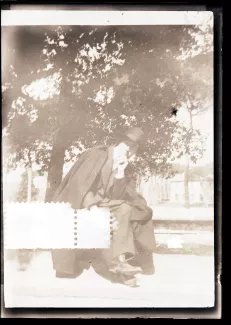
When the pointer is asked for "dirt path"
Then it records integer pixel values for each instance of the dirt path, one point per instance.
(180, 281)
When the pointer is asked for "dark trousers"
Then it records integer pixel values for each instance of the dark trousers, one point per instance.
(123, 238)
(134, 237)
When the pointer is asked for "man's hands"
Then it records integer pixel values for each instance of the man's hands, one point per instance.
(120, 159)
(120, 166)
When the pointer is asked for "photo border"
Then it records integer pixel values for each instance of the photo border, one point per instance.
(169, 313)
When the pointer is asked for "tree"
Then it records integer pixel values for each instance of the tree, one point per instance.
(63, 121)
(201, 172)
(195, 93)
(103, 76)
(22, 195)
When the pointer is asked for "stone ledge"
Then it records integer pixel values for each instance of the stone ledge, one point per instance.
(186, 249)
(183, 214)
(183, 225)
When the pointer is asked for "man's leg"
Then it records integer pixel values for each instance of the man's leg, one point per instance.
(67, 262)
(144, 238)
(122, 244)
(123, 239)
(115, 259)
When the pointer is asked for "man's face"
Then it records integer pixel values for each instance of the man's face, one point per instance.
(123, 152)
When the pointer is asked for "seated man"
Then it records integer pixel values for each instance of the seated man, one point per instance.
(100, 178)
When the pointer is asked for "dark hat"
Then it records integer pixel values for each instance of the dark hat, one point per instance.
(133, 135)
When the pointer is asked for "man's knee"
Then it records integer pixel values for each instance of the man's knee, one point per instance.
(126, 209)
(122, 213)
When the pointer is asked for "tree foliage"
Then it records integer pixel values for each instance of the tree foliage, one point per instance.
(68, 88)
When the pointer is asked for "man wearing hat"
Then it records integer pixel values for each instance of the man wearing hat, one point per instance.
(101, 179)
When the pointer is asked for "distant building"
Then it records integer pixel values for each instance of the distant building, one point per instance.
(200, 191)
(154, 189)
(158, 190)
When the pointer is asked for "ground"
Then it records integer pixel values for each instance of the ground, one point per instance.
(179, 281)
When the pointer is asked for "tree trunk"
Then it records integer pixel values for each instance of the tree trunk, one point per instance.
(55, 171)
(186, 170)
(186, 183)
(29, 183)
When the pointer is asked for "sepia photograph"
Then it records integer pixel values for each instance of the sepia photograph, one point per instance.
(108, 159)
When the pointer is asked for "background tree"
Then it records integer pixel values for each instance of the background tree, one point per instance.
(92, 80)
(22, 195)
(195, 94)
